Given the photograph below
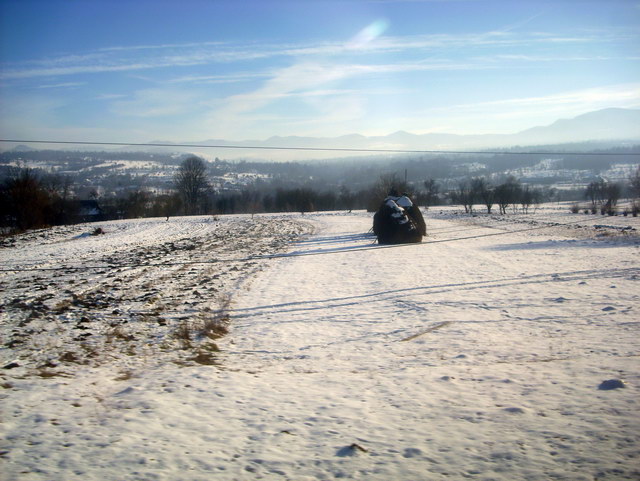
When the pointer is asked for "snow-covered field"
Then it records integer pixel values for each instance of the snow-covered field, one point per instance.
(479, 354)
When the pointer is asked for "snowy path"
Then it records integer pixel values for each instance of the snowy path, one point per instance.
(470, 359)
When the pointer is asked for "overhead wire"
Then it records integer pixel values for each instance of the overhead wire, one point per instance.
(316, 149)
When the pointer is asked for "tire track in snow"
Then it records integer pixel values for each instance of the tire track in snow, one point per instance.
(394, 294)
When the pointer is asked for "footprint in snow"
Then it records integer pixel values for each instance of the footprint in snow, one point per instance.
(411, 453)
(515, 410)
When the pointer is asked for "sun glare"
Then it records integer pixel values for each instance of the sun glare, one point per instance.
(369, 33)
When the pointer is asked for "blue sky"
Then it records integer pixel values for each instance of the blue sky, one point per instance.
(137, 71)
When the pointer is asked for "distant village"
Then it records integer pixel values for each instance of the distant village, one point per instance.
(84, 186)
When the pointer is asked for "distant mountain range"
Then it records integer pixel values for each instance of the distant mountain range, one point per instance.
(614, 124)
(607, 126)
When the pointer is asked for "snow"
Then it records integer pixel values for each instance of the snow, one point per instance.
(471, 355)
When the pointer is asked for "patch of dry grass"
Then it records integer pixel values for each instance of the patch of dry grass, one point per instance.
(208, 324)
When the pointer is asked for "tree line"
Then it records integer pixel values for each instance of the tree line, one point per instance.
(116, 171)
(510, 194)
(31, 199)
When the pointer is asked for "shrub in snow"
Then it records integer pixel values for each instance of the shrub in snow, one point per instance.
(398, 221)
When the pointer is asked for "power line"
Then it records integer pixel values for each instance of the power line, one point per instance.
(317, 149)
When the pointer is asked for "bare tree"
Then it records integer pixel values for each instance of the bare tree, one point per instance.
(595, 192)
(346, 198)
(613, 192)
(135, 204)
(59, 190)
(527, 198)
(386, 184)
(484, 192)
(192, 183)
(25, 203)
(466, 195)
(432, 190)
(634, 183)
(508, 193)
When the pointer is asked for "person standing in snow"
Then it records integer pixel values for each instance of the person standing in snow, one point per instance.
(398, 221)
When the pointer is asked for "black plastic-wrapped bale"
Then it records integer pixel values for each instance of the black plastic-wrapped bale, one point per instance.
(399, 221)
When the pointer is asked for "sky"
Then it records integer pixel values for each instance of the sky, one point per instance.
(195, 70)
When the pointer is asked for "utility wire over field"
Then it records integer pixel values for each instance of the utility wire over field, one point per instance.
(316, 149)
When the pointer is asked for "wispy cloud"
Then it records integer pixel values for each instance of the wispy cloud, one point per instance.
(305, 78)
(624, 95)
(13, 74)
(245, 88)
(513, 114)
(518, 113)
(163, 46)
(218, 79)
(145, 57)
(525, 58)
(320, 73)
(63, 85)
(110, 96)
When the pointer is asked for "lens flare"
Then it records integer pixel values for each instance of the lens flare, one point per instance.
(369, 33)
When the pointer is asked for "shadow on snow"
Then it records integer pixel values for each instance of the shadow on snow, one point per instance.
(554, 244)
(395, 294)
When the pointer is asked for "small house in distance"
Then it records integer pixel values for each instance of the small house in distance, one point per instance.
(88, 211)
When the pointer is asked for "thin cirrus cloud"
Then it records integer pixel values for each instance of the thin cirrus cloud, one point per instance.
(519, 113)
(218, 79)
(341, 71)
(163, 46)
(251, 88)
(308, 76)
(311, 75)
(109, 96)
(368, 41)
(63, 85)
(300, 78)
(577, 101)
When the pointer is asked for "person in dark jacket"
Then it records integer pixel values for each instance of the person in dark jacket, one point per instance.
(398, 221)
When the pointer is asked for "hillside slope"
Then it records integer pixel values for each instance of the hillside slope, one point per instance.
(480, 353)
